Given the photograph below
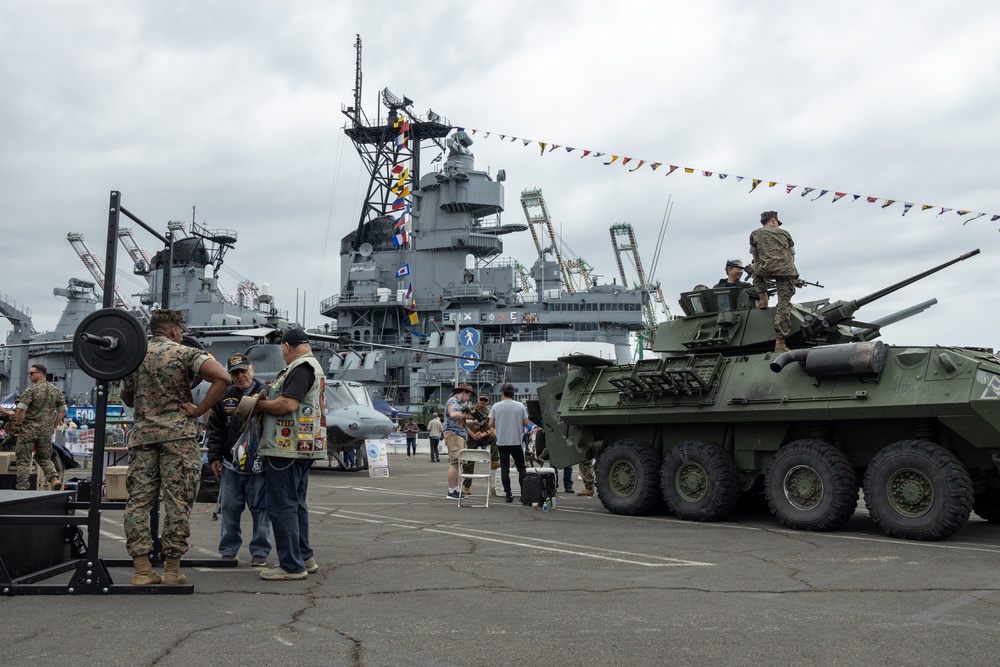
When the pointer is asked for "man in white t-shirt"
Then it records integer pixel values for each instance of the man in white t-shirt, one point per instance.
(508, 417)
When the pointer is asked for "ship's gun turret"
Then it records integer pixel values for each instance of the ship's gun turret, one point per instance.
(841, 312)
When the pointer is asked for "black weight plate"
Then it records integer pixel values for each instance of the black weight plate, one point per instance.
(110, 364)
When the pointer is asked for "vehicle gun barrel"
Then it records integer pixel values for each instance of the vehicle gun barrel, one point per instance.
(885, 291)
(842, 311)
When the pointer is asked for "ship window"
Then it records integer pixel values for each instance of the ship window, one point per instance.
(357, 335)
(368, 336)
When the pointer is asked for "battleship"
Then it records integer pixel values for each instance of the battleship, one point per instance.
(427, 297)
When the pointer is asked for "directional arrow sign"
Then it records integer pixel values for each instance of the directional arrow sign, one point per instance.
(469, 361)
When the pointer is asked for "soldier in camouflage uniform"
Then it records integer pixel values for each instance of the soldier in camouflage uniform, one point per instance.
(481, 436)
(9, 439)
(587, 474)
(163, 455)
(774, 257)
(38, 410)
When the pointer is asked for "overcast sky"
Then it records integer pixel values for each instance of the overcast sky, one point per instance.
(235, 108)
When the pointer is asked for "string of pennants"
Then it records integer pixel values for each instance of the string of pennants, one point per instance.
(401, 208)
(634, 165)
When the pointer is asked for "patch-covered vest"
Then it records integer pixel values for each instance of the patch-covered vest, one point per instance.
(300, 434)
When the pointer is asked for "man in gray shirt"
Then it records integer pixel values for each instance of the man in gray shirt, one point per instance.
(508, 417)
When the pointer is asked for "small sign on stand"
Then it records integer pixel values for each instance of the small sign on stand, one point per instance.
(378, 458)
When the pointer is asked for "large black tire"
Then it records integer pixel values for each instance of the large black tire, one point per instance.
(699, 481)
(918, 491)
(811, 485)
(987, 505)
(628, 478)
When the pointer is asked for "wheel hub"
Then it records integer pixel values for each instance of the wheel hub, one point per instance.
(910, 492)
(624, 479)
(803, 487)
(691, 482)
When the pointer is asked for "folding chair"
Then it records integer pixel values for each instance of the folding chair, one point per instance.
(482, 457)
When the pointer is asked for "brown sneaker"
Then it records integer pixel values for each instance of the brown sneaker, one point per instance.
(585, 492)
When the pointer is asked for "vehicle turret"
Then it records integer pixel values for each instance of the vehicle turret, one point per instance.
(726, 320)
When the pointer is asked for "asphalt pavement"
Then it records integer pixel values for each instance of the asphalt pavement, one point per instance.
(408, 578)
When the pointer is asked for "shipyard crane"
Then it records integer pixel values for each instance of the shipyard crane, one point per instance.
(581, 268)
(623, 241)
(93, 264)
(140, 258)
(537, 214)
(522, 273)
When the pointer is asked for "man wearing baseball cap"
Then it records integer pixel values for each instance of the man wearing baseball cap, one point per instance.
(293, 435)
(238, 489)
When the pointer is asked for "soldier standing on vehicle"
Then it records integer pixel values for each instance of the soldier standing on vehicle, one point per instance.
(38, 410)
(774, 257)
(163, 454)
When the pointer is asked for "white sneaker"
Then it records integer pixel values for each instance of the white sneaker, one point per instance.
(278, 574)
(311, 565)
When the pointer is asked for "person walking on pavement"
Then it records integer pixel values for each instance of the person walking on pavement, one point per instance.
(774, 257)
(410, 431)
(434, 430)
(293, 435)
(509, 417)
(163, 452)
(237, 489)
(36, 414)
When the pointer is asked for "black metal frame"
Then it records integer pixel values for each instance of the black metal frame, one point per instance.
(91, 575)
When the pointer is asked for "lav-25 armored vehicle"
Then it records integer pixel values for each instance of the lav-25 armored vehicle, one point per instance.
(718, 413)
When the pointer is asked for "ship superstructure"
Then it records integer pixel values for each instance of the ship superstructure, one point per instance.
(448, 274)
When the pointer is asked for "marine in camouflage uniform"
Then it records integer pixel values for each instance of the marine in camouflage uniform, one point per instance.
(587, 474)
(479, 425)
(39, 409)
(163, 457)
(774, 257)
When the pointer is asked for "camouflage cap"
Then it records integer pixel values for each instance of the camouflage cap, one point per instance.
(766, 216)
(486, 395)
(175, 317)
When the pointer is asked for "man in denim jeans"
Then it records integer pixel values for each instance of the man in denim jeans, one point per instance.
(237, 490)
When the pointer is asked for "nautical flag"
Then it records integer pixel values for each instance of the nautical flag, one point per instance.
(409, 294)
(414, 320)
(398, 204)
(403, 271)
(400, 238)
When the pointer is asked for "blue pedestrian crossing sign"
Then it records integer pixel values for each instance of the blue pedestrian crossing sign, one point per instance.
(469, 337)
(469, 360)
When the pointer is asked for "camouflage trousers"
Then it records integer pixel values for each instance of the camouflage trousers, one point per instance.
(587, 474)
(470, 468)
(171, 469)
(783, 311)
(42, 444)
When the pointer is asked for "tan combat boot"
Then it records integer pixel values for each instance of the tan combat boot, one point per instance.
(144, 574)
(779, 345)
(585, 492)
(762, 300)
(172, 572)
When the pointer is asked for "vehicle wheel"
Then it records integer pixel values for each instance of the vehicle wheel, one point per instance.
(699, 481)
(918, 491)
(810, 485)
(987, 505)
(628, 478)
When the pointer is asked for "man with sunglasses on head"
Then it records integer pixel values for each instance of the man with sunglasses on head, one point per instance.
(734, 275)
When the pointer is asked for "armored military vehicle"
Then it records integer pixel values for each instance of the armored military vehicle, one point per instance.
(718, 413)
